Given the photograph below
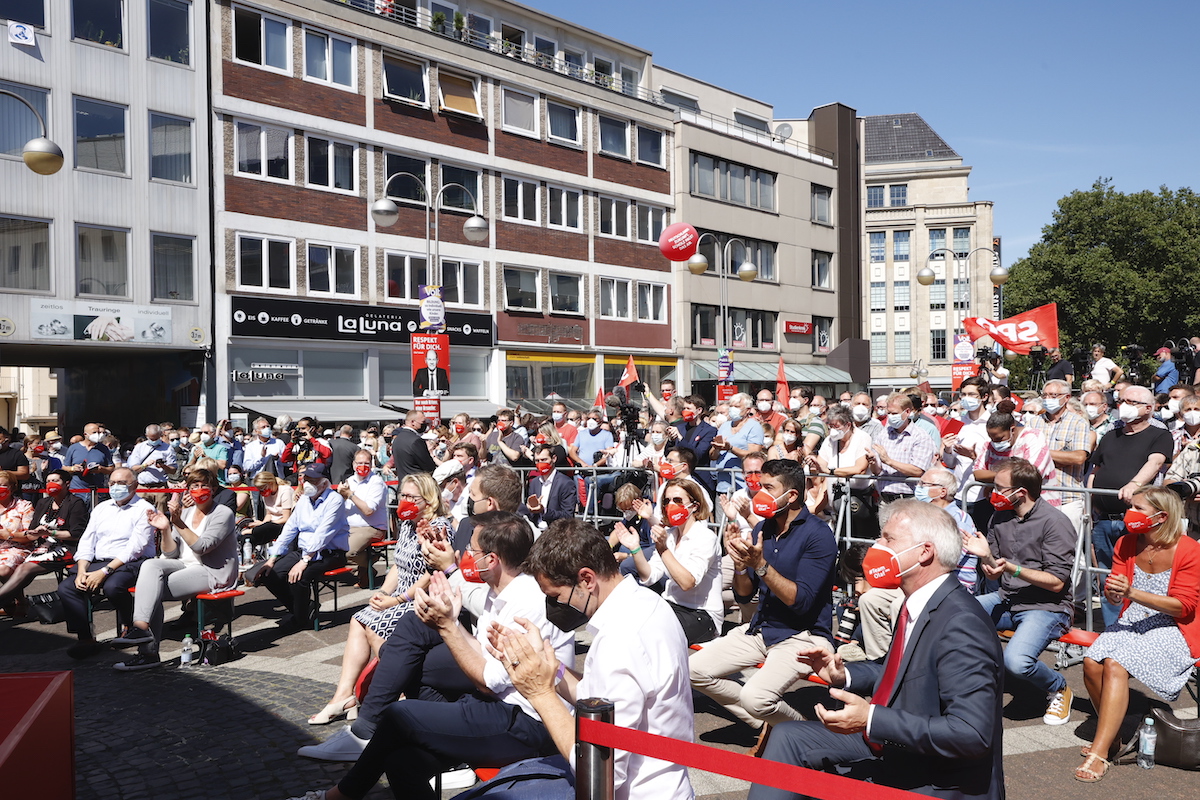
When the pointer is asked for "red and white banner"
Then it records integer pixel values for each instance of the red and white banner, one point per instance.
(629, 375)
(1036, 326)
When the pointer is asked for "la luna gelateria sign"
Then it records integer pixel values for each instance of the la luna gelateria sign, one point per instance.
(339, 322)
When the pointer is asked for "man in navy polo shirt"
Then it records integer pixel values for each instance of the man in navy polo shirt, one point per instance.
(696, 435)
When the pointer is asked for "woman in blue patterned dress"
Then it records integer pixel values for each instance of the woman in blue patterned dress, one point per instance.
(422, 514)
(1156, 576)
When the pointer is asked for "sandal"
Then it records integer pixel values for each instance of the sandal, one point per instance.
(1088, 774)
(348, 708)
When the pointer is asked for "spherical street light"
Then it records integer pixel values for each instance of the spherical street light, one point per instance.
(999, 275)
(475, 229)
(1009, 355)
(42, 156)
(926, 276)
(747, 271)
(385, 212)
(697, 264)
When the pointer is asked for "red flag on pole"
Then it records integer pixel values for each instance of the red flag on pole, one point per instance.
(781, 385)
(629, 375)
(600, 403)
(1036, 326)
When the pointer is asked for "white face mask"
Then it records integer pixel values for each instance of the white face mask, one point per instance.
(448, 495)
(896, 421)
(764, 406)
(735, 413)
(1051, 404)
(264, 433)
(719, 419)
(657, 438)
(1166, 414)
(1191, 417)
(96, 438)
(311, 490)
(844, 403)
(794, 404)
(1127, 412)
(860, 413)
(970, 403)
(55, 446)
(557, 416)
(1173, 405)
(1002, 446)
(205, 438)
(835, 434)
(592, 424)
(1092, 411)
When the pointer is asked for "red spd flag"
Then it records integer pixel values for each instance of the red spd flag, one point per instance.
(600, 403)
(1036, 326)
(781, 385)
(629, 375)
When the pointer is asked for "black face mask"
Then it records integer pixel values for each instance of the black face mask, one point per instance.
(565, 616)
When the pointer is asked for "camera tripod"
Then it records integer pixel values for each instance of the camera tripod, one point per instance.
(1037, 379)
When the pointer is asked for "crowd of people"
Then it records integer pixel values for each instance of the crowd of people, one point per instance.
(694, 542)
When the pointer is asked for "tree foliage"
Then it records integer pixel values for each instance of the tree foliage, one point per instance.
(1123, 268)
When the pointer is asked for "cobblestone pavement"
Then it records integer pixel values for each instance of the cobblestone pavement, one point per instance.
(232, 731)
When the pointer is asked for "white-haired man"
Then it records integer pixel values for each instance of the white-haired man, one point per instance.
(1069, 438)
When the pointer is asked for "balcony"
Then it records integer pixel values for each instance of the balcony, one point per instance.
(728, 127)
(509, 47)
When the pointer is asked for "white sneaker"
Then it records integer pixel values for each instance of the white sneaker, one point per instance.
(342, 746)
(311, 794)
(463, 778)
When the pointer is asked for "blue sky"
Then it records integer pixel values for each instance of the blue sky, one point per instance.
(1040, 98)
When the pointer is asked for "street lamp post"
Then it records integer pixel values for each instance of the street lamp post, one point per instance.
(698, 265)
(998, 276)
(41, 155)
(385, 212)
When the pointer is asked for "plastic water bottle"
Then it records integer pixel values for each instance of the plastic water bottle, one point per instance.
(189, 648)
(1147, 740)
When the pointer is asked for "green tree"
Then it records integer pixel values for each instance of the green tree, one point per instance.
(1123, 268)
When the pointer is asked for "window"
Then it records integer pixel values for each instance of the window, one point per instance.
(603, 72)
(614, 217)
(749, 121)
(546, 51)
(678, 100)
(520, 112)
(761, 255)
(458, 94)
(327, 374)
(614, 298)
(900, 242)
(19, 126)
(962, 242)
(651, 302)
(899, 194)
(99, 136)
(405, 273)
(874, 197)
(878, 245)
(102, 261)
(404, 187)
(564, 122)
(565, 209)
(878, 296)
(512, 40)
(565, 291)
(937, 345)
(629, 81)
(900, 296)
(937, 295)
(170, 36)
(822, 274)
(170, 148)
(763, 329)
(902, 341)
(651, 221)
(614, 137)
(24, 254)
(521, 288)
(263, 152)
(332, 270)
(822, 334)
(962, 294)
(171, 267)
(704, 326)
(650, 146)
(98, 21)
(736, 183)
(262, 40)
(328, 59)
(574, 61)
(937, 241)
(820, 204)
(878, 347)
(330, 164)
(461, 284)
(520, 200)
(405, 80)
(264, 263)
(31, 12)
(455, 197)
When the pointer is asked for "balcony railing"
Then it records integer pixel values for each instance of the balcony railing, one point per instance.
(516, 50)
(703, 119)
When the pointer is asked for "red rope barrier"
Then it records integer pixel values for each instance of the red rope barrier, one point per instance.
(777, 775)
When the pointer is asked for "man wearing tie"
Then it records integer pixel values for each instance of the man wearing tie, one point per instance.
(433, 380)
(933, 723)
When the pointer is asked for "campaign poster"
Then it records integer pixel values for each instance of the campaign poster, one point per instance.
(433, 310)
(431, 364)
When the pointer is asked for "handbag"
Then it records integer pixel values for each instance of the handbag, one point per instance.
(47, 608)
(218, 650)
(1178, 740)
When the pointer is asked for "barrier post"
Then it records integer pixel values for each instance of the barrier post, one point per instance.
(593, 763)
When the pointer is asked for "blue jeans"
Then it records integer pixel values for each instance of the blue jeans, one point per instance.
(1032, 631)
(1104, 539)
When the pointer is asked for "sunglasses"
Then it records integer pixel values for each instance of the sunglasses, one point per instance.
(676, 501)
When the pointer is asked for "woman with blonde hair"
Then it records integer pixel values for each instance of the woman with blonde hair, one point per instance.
(278, 498)
(423, 515)
(1156, 579)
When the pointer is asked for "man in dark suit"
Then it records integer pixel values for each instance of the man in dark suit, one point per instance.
(433, 380)
(933, 725)
(552, 495)
(696, 435)
(409, 452)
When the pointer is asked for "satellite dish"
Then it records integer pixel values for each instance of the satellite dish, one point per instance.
(783, 131)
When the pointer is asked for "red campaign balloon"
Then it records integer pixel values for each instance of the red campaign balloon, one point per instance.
(679, 241)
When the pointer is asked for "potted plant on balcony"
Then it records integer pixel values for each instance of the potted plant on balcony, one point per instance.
(460, 22)
(438, 23)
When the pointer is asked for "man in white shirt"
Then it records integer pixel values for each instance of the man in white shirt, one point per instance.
(638, 657)
(110, 553)
(259, 450)
(152, 460)
(365, 495)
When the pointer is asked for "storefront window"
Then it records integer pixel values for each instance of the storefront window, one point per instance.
(245, 361)
(333, 374)
(468, 374)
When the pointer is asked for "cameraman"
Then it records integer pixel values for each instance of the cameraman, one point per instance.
(1167, 374)
(305, 447)
(1060, 369)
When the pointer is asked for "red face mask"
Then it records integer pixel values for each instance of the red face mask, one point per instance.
(407, 510)
(1001, 502)
(362, 470)
(677, 514)
(689, 415)
(1137, 522)
(540, 438)
(881, 566)
(459, 428)
(5, 493)
(753, 484)
(666, 395)
(543, 468)
(201, 494)
(503, 425)
(470, 569)
(666, 470)
(765, 504)
(55, 489)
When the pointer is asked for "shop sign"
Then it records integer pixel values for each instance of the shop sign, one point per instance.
(303, 319)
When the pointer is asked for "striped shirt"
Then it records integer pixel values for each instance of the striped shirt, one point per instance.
(1070, 432)
(1032, 447)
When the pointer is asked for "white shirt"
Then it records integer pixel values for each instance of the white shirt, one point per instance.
(662, 488)
(1104, 369)
(120, 532)
(522, 597)
(256, 452)
(973, 433)
(462, 506)
(856, 447)
(373, 492)
(639, 661)
(186, 554)
(698, 552)
(149, 452)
